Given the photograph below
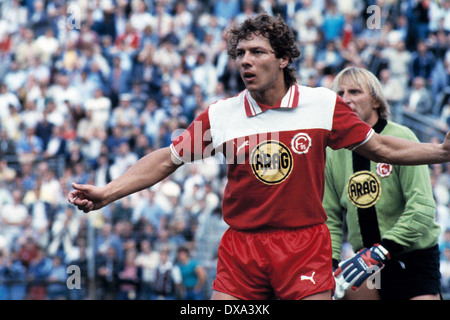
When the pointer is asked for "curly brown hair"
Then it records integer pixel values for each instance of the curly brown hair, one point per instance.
(279, 34)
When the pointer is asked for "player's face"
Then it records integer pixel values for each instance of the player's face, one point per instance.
(260, 70)
(359, 100)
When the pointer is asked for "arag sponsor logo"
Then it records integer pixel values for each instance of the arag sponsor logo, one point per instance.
(271, 162)
(363, 189)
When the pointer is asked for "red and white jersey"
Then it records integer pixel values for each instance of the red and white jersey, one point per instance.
(275, 155)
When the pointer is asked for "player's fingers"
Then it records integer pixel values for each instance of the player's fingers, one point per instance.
(349, 278)
(87, 209)
(80, 187)
(73, 195)
(345, 264)
(349, 271)
(84, 205)
(354, 283)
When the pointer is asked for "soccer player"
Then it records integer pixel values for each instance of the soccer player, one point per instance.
(273, 136)
(389, 209)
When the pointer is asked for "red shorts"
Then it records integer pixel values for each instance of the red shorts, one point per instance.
(282, 263)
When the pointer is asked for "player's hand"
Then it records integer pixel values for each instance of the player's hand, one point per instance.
(354, 271)
(446, 145)
(87, 197)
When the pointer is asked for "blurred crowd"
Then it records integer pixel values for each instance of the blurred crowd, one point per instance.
(89, 87)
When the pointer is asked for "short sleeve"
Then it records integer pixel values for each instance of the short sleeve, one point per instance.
(195, 142)
(348, 131)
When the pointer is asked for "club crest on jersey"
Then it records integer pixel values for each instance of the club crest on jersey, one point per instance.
(363, 189)
(301, 143)
(271, 162)
(384, 169)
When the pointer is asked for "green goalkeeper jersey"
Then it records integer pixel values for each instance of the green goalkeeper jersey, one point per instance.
(381, 203)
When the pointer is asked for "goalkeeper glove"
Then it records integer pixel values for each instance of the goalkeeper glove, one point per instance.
(354, 271)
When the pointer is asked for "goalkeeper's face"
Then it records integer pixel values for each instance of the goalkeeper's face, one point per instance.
(360, 100)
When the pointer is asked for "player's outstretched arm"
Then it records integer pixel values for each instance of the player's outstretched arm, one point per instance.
(148, 171)
(394, 150)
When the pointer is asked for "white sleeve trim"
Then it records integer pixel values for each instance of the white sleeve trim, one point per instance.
(175, 153)
(369, 135)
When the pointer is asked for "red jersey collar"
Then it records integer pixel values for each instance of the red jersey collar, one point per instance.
(290, 100)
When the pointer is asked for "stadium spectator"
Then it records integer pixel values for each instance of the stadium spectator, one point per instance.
(56, 145)
(333, 23)
(14, 219)
(64, 231)
(422, 62)
(7, 98)
(147, 71)
(192, 273)
(124, 115)
(12, 275)
(47, 46)
(422, 18)
(140, 17)
(57, 277)
(44, 129)
(107, 268)
(123, 159)
(306, 17)
(15, 78)
(204, 74)
(147, 259)
(138, 96)
(398, 61)
(168, 283)
(102, 174)
(230, 79)
(394, 93)
(183, 20)
(29, 146)
(438, 45)
(419, 100)
(116, 138)
(7, 174)
(38, 271)
(41, 215)
(164, 20)
(105, 239)
(38, 18)
(130, 277)
(149, 211)
(7, 146)
(226, 9)
(118, 81)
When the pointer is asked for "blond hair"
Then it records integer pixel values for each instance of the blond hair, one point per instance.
(368, 82)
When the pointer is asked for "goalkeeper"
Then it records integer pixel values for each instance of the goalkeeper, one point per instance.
(389, 209)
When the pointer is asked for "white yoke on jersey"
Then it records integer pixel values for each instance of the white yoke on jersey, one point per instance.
(275, 155)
